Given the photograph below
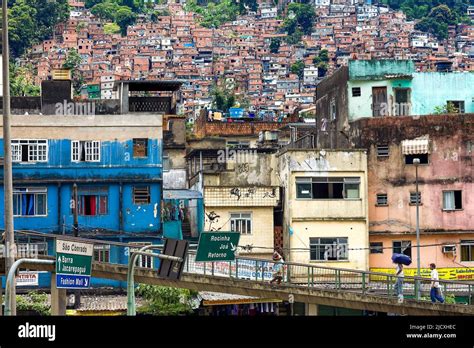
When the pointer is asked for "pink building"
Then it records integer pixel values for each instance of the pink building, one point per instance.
(444, 145)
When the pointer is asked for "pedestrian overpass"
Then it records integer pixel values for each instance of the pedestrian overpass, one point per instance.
(310, 284)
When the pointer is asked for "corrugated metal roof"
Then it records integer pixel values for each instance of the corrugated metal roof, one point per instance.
(181, 194)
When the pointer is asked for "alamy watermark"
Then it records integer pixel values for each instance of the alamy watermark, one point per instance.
(245, 156)
(67, 108)
(22, 250)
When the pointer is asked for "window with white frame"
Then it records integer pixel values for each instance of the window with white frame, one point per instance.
(29, 150)
(327, 187)
(85, 151)
(141, 261)
(241, 222)
(29, 201)
(328, 249)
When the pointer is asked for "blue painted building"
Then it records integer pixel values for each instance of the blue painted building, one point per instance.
(114, 161)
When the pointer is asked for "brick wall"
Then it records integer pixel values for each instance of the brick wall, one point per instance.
(203, 128)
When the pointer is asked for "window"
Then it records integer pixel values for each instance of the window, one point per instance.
(140, 148)
(241, 222)
(382, 151)
(422, 156)
(326, 249)
(402, 247)
(467, 250)
(382, 199)
(102, 253)
(31, 250)
(413, 197)
(85, 151)
(452, 200)
(141, 195)
(92, 201)
(29, 150)
(458, 105)
(332, 109)
(376, 248)
(29, 201)
(402, 101)
(166, 163)
(141, 261)
(328, 188)
(356, 92)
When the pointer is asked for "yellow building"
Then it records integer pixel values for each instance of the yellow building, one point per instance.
(248, 210)
(325, 207)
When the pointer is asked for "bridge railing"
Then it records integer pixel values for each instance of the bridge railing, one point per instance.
(307, 275)
(331, 278)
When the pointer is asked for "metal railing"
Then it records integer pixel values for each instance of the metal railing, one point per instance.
(330, 278)
(313, 276)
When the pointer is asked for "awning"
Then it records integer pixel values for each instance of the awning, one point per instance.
(218, 299)
(181, 194)
(416, 146)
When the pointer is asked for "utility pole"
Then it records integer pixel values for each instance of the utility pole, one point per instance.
(10, 248)
(75, 212)
(416, 162)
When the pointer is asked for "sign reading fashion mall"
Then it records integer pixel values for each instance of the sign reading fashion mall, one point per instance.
(73, 264)
(217, 246)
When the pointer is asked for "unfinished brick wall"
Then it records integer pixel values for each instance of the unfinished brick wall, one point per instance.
(203, 128)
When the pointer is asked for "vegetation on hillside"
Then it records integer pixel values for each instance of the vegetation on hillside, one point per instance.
(299, 22)
(32, 21)
(434, 15)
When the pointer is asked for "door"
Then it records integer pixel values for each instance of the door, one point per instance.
(379, 101)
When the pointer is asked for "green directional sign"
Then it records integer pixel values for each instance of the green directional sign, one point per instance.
(217, 246)
(73, 264)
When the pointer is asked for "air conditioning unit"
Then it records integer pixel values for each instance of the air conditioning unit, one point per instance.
(449, 249)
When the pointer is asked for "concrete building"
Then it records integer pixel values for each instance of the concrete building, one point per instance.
(325, 206)
(379, 88)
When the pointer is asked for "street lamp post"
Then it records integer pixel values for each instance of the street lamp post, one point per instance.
(416, 162)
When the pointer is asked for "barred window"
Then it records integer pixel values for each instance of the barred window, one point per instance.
(141, 195)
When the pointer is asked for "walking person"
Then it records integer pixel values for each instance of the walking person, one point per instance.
(435, 292)
(399, 284)
(277, 268)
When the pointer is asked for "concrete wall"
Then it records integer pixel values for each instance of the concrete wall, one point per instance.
(369, 69)
(432, 89)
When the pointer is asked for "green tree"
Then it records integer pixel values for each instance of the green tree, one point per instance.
(161, 300)
(111, 28)
(275, 45)
(73, 60)
(125, 17)
(298, 69)
(105, 10)
(34, 301)
(21, 83)
(304, 15)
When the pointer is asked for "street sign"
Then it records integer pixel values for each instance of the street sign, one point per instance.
(73, 264)
(173, 269)
(217, 246)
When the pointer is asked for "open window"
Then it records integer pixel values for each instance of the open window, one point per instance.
(452, 200)
(92, 201)
(140, 147)
(85, 151)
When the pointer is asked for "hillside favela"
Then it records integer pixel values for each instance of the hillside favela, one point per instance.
(237, 158)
